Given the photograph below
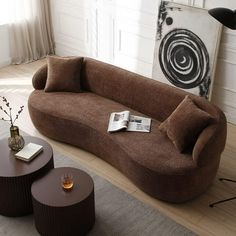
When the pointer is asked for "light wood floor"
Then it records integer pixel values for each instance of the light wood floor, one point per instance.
(15, 84)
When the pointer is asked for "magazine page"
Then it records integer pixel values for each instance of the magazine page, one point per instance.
(118, 121)
(139, 124)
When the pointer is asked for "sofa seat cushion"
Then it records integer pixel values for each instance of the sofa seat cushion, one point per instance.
(150, 150)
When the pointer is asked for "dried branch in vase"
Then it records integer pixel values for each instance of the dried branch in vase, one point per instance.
(7, 110)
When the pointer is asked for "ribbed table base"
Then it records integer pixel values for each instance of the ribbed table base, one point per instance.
(73, 220)
(17, 176)
(15, 197)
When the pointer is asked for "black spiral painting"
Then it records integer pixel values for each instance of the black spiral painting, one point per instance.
(184, 59)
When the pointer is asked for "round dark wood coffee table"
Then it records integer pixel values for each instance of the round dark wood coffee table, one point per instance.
(17, 176)
(57, 212)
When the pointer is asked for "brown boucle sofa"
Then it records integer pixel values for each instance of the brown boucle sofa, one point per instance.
(150, 160)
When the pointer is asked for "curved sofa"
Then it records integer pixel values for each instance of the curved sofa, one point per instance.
(149, 160)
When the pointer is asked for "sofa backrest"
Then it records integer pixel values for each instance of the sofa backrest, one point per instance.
(145, 95)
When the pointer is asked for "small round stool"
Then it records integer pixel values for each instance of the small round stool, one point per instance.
(59, 212)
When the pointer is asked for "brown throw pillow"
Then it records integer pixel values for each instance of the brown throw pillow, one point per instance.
(63, 74)
(185, 124)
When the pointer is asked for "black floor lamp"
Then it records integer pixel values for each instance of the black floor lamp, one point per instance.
(226, 17)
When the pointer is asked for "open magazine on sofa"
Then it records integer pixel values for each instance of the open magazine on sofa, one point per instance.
(125, 121)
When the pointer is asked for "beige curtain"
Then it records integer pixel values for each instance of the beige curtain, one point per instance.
(30, 30)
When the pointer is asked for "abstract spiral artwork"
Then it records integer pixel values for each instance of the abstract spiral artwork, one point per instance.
(186, 48)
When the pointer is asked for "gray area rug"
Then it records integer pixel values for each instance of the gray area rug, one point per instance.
(117, 213)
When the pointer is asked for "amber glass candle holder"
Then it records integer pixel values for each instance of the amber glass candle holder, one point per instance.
(67, 182)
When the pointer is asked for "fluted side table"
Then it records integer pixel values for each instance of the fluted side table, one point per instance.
(17, 176)
(57, 212)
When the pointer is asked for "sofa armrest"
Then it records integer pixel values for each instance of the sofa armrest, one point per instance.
(211, 142)
(40, 77)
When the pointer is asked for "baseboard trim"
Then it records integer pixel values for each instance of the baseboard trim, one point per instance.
(5, 62)
(230, 118)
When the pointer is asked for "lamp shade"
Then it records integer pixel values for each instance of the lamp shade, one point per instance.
(225, 16)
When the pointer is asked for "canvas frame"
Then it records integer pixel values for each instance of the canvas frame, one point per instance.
(186, 49)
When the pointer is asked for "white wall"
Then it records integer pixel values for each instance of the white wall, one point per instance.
(116, 31)
(4, 46)
(123, 33)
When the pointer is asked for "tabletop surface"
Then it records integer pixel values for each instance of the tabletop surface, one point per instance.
(48, 189)
(10, 166)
